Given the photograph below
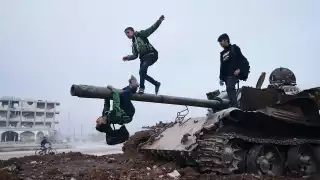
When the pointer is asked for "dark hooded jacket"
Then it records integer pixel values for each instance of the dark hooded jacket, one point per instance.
(231, 59)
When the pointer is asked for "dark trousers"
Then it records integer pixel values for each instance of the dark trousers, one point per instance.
(146, 61)
(125, 96)
(125, 101)
(231, 82)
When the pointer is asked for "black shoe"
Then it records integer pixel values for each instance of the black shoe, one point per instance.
(141, 91)
(157, 87)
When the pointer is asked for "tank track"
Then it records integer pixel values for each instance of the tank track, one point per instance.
(217, 152)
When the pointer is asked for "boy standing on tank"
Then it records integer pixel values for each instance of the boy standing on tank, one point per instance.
(147, 53)
(233, 67)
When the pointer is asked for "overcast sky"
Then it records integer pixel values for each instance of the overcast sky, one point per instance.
(46, 46)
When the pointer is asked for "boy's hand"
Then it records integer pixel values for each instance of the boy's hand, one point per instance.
(237, 72)
(161, 18)
(221, 83)
(110, 88)
(100, 121)
(125, 58)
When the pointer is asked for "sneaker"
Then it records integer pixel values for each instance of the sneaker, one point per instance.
(133, 82)
(141, 91)
(157, 88)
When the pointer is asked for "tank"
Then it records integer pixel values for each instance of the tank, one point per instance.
(273, 132)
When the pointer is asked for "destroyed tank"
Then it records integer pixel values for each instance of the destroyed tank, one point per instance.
(275, 130)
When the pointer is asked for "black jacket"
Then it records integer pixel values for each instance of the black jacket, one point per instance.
(231, 59)
(44, 142)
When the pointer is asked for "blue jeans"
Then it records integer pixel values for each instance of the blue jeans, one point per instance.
(145, 62)
(231, 82)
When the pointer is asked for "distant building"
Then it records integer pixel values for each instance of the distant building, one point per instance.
(27, 120)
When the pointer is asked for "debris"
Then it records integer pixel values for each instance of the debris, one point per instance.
(174, 174)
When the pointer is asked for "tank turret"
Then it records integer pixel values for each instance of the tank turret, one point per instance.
(284, 78)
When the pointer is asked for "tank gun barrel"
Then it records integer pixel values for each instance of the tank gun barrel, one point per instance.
(98, 92)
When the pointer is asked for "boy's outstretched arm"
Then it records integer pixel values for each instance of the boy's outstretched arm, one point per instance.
(106, 107)
(152, 29)
(116, 101)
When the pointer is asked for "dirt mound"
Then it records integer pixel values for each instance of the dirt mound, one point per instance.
(77, 166)
(130, 147)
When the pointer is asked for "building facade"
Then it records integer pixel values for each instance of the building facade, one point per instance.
(23, 120)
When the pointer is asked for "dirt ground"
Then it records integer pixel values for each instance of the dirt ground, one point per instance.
(127, 166)
(77, 166)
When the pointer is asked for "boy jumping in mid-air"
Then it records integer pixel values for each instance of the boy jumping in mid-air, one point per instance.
(122, 113)
(142, 48)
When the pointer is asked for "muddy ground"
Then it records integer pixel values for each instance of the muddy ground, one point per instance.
(77, 166)
(127, 166)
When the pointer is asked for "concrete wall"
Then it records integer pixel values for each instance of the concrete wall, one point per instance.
(22, 136)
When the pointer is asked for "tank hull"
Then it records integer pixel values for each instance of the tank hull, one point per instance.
(228, 146)
(245, 140)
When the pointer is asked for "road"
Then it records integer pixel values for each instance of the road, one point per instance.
(92, 150)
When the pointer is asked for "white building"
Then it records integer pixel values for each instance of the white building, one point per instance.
(26, 120)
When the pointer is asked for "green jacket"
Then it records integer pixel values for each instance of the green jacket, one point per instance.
(140, 43)
(117, 115)
(115, 105)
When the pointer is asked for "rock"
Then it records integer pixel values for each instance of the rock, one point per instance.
(174, 174)
(188, 171)
(12, 168)
(110, 160)
(67, 174)
(81, 173)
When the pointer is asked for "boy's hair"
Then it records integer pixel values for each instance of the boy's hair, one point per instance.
(128, 28)
(223, 36)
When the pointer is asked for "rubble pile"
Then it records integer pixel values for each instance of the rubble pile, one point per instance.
(77, 166)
